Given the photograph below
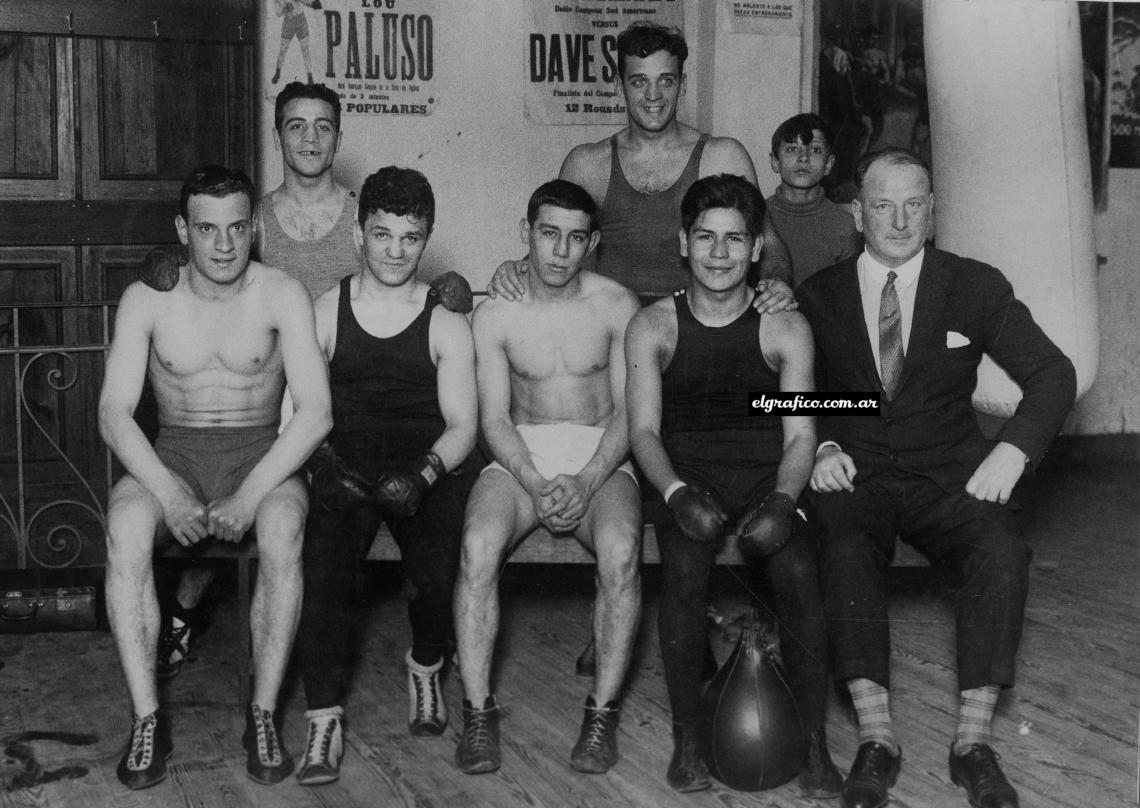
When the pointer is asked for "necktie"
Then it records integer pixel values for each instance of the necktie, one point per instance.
(890, 337)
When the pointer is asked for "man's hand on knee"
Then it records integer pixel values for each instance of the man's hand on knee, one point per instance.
(567, 496)
(834, 471)
(997, 474)
(184, 515)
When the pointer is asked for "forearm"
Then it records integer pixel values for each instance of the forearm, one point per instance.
(653, 460)
(130, 446)
(510, 450)
(796, 466)
(304, 433)
(454, 445)
(612, 451)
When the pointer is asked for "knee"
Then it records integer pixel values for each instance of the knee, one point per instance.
(481, 556)
(1002, 558)
(130, 536)
(619, 569)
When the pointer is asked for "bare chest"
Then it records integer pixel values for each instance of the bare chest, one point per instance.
(233, 342)
(551, 347)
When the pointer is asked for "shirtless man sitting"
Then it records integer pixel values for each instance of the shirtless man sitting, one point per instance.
(551, 380)
(218, 348)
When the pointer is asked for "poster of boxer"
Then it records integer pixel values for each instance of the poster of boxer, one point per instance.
(571, 58)
(377, 54)
(1124, 87)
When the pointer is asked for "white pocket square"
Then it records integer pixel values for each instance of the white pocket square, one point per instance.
(956, 340)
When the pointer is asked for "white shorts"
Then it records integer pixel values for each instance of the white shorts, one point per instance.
(561, 449)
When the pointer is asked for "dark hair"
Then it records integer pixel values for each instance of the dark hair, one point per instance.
(802, 128)
(294, 90)
(213, 180)
(562, 194)
(402, 191)
(724, 191)
(892, 155)
(643, 38)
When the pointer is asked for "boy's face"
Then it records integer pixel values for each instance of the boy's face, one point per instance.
(391, 245)
(803, 165)
(558, 240)
(720, 249)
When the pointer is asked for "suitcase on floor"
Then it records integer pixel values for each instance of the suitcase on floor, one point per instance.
(29, 611)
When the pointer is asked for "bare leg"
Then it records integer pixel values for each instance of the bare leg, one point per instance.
(133, 517)
(276, 607)
(499, 513)
(613, 528)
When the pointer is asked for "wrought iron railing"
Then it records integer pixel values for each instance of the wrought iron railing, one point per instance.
(55, 472)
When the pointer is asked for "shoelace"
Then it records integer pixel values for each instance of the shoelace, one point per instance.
(989, 773)
(477, 730)
(318, 750)
(266, 737)
(172, 641)
(425, 696)
(596, 727)
(142, 742)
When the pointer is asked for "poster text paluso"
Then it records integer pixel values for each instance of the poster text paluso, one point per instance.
(379, 45)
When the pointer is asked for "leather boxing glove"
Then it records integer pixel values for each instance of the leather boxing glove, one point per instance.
(399, 493)
(333, 485)
(699, 514)
(765, 528)
(160, 268)
(454, 292)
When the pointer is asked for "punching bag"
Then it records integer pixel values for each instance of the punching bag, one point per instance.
(1012, 183)
(750, 734)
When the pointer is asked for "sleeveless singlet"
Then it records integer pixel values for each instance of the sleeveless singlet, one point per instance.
(639, 246)
(384, 394)
(317, 264)
(705, 391)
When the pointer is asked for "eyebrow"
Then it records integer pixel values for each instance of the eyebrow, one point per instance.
(305, 120)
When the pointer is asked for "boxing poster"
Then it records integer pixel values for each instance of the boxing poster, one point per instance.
(571, 57)
(768, 17)
(379, 55)
(1124, 86)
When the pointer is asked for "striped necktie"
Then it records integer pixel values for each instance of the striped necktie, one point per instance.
(890, 337)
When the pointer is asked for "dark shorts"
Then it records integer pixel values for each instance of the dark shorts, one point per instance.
(213, 460)
(295, 25)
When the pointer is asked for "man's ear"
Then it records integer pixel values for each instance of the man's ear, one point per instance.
(757, 248)
(524, 231)
(684, 237)
(774, 162)
(595, 237)
(358, 235)
(276, 140)
(182, 228)
(684, 84)
(830, 164)
(857, 212)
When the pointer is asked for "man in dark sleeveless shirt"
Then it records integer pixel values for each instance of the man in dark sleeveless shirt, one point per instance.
(638, 175)
(552, 406)
(693, 361)
(402, 373)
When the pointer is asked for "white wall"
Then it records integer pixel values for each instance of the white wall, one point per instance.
(483, 158)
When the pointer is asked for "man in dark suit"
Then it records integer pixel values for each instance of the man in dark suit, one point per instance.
(912, 322)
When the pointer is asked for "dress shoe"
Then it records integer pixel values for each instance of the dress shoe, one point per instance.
(978, 772)
(149, 747)
(478, 750)
(266, 760)
(596, 751)
(687, 772)
(819, 778)
(874, 771)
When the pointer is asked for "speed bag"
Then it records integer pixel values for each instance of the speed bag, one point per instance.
(750, 734)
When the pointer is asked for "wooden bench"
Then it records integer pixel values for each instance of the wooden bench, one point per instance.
(540, 547)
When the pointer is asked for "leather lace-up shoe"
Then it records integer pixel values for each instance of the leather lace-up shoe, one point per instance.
(596, 750)
(874, 771)
(478, 750)
(978, 772)
(149, 747)
(819, 778)
(266, 760)
(427, 712)
(173, 645)
(324, 749)
(687, 772)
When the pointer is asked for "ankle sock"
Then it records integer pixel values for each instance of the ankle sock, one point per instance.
(873, 710)
(975, 716)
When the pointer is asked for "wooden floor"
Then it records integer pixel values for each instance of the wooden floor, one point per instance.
(1067, 733)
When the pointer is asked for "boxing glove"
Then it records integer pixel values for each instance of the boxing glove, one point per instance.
(699, 514)
(333, 485)
(765, 528)
(454, 292)
(160, 269)
(398, 493)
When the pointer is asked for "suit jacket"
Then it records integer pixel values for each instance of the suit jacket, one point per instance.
(930, 428)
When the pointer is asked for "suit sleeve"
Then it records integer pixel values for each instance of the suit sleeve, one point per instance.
(1047, 377)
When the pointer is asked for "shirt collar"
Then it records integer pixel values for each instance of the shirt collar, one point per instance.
(906, 274)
